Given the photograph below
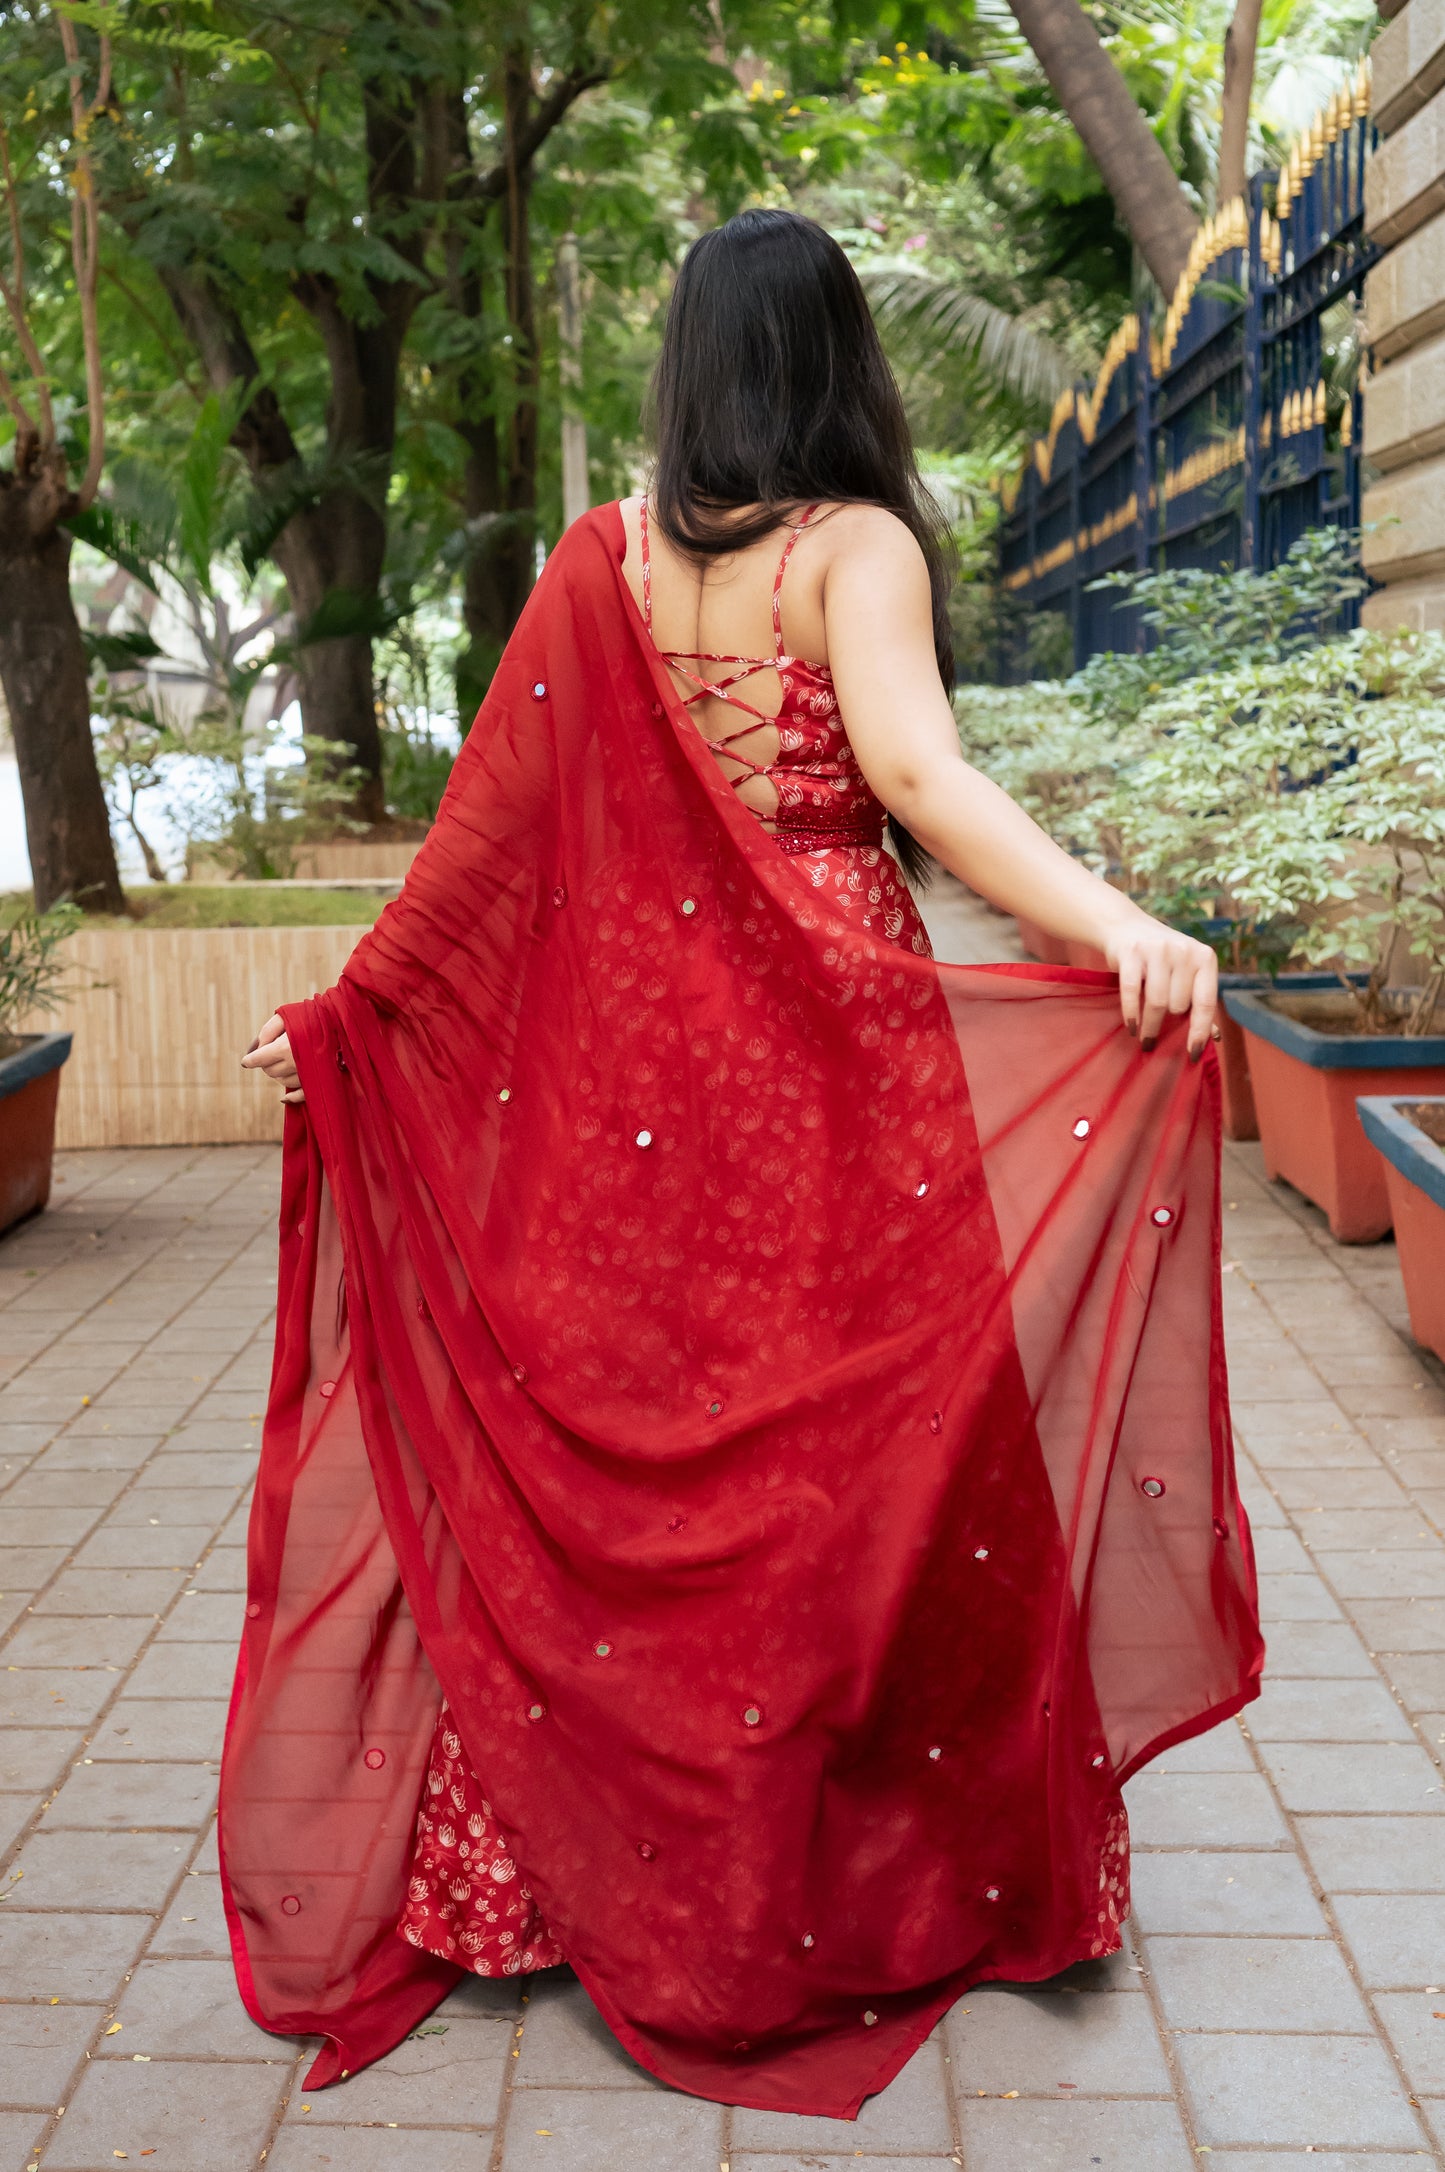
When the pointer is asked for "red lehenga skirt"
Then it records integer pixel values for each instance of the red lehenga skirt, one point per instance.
(748, 1471)
(467, 1897)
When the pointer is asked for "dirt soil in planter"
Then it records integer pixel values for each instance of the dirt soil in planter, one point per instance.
(1429, 1117)
(1330, 1012)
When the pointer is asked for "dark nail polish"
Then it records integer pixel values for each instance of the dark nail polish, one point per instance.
(1150, 1041)
(1132, 1027)
(1196, 1055)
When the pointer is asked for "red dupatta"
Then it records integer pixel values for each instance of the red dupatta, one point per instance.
(772, 1385)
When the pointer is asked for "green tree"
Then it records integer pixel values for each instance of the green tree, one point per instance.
(51, 386)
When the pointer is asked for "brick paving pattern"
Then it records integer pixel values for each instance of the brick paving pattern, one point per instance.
(1278, 2001)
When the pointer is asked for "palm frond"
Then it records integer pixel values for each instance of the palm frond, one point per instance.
(943, 320)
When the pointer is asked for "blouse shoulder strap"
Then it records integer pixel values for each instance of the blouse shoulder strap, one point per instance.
(646, 567)
(793, 536)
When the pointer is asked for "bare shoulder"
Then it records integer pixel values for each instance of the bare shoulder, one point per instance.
(869, 539)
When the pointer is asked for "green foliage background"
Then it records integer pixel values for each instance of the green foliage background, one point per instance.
(233, 146)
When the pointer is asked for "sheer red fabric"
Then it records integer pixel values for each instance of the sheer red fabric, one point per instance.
(770, 1385)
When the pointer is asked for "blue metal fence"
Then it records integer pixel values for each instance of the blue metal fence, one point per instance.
(1219, 438)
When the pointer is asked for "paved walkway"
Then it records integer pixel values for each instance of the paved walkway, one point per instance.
(1284, 1994)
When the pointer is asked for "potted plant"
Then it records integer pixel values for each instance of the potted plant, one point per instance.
(1311, 790)
(1410, 1136)
(30, 975)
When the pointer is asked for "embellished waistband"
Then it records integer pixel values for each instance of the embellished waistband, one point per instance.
(790, 835)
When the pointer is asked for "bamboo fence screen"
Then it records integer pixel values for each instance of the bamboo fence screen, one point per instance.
(160, 1023)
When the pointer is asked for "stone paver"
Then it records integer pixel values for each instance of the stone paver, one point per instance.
(1281, 2001)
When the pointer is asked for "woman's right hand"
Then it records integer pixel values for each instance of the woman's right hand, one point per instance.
(1161, 971)
(271, 1052)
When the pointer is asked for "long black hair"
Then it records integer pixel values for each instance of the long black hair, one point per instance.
(772, 391)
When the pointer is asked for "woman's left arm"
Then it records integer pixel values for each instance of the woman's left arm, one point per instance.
(878, 614)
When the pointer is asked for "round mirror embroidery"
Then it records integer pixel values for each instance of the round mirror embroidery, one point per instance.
(290, 1905)
(375, 1759)
(689, 905)
(935, 1754)
(980, 1553)
(1162, 1217)
(644, 1138)
(539, 690)
(752, 1716)
(1082, 1128)
(990, 1892)
(536, 1711)
(519, 1374)
(920, 1189)
(602, 1648)
(1152, 1486)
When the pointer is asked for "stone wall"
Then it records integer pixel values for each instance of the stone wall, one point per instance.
(1404, 433)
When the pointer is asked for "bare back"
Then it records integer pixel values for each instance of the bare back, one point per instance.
(743, 609)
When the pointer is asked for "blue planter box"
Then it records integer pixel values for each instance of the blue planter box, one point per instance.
(1285, 981)
(1331, 1051)
(42, 1052)
(29, 1084)
(1414, 1171)
(1403, 1145)
(1305, 1087)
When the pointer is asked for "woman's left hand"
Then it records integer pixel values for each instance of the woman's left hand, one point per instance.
(1161, 971)
(271, 1052)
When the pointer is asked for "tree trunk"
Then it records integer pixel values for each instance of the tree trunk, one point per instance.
(331, 555)
(518, 538)
(1240, 41)
(501, 479)
(576, 490)
(47, 691)
(1094, 95)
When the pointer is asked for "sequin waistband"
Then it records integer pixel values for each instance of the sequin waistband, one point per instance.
(790, 835)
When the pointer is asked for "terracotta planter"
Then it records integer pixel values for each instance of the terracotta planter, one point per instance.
(1237, 1093)
(1306, 1084)
(1053, 950)
(1415, 1180)
(1048, 949)
(29, 1084)
(1241, 1119)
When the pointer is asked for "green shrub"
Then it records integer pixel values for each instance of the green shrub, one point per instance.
(1308, 791)
(32, 971)
(1206, 622)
